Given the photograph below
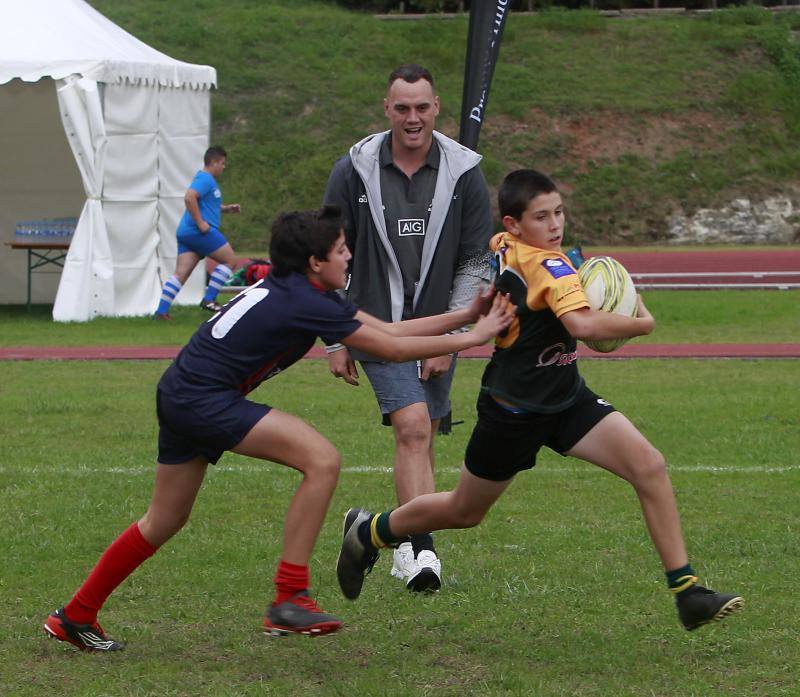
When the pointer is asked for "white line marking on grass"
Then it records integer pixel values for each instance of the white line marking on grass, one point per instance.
(371, 469)
(766, 469)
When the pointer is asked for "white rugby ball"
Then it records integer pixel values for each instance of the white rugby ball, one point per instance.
(609, 288)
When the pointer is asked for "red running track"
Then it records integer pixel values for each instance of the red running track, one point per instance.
(664, 261)
(728, 261)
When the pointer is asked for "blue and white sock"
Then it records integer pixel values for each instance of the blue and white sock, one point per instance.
(172, 287)
(218, 277)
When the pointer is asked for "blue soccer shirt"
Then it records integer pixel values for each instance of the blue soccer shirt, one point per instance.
(209, 201)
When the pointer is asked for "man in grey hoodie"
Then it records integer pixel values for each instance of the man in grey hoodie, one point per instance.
(417, 219)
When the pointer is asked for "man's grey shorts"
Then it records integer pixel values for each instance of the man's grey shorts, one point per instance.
(397, 385)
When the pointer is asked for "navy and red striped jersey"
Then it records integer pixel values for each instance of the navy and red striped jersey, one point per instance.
(261, 332)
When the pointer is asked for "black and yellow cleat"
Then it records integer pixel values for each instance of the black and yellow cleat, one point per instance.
(356, 558)
(698, 606)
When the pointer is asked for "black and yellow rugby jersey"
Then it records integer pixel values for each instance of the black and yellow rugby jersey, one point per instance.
(534, 363)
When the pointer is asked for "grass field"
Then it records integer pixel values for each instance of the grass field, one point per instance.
(735, 316)
(558, 592)
(637, 118)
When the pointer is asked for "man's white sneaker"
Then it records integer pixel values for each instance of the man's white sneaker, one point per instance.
(403, 561)
(426, 574)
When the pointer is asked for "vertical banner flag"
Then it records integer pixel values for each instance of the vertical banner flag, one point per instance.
(486, 21)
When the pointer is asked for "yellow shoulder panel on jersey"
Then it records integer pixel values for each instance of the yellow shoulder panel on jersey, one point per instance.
(549, 277)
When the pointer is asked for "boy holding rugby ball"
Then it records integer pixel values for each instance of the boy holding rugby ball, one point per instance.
(532, 395)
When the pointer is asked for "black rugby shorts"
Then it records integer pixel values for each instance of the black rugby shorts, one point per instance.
(504, 443)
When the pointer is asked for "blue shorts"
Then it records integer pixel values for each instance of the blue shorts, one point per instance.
(505, 442)
(398, 385)
(205, 426)
(202, 243)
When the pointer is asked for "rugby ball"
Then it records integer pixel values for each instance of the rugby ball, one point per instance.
(608, 288)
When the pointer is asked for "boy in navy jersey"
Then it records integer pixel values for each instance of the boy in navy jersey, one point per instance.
(532, 395)
(203, 411)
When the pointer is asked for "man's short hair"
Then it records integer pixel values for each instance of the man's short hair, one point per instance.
(410, 72)
(215, 152)
(298, 235)
(519, 188)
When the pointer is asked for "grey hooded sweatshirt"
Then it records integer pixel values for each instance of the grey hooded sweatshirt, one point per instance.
(455, 253)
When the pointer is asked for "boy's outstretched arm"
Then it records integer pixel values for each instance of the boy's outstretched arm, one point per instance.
(598, 326)
(342, 364)
(373, 339)
(436, 324)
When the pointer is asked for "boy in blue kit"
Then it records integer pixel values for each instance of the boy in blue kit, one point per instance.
(532, 395)
(199, 235)
(203, 411)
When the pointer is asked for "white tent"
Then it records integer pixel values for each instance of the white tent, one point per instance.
(136, 123)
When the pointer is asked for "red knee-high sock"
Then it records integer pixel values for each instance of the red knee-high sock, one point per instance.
(289, 579)
(118, 562)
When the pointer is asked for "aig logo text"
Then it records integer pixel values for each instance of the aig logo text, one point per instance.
(410, 226)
